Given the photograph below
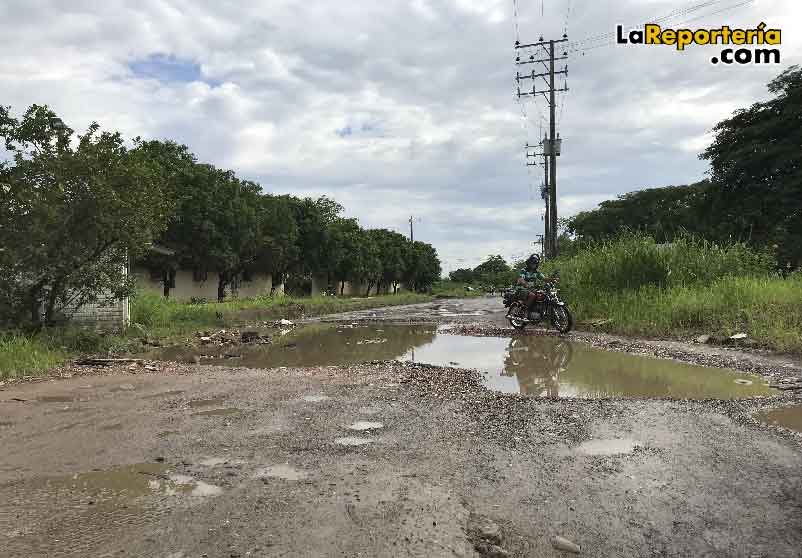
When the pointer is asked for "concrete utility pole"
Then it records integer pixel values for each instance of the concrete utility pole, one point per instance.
(552, 144)
(544, 187)
(552, 158)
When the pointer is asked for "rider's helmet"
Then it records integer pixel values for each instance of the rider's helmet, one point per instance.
(532, 262)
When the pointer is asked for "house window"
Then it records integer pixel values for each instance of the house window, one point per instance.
(199, 275)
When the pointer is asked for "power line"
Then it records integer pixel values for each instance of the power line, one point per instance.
(606, 41)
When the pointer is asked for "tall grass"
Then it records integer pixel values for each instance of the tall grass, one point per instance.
(689, 286)
(21, 355)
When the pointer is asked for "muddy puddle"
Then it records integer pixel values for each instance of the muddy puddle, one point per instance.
(532, 365)
(788, 417)
(127, 483)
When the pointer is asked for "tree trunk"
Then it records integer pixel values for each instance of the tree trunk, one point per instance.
(370, 286)
(221, 288)
(342, 287)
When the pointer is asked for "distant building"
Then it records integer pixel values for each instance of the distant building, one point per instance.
(180, 283)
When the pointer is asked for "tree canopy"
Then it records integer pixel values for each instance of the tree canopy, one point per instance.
(76, 209)
(754, 193)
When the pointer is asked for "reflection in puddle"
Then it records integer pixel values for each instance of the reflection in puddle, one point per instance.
(540, 366)
(607, 447)
(789, 417)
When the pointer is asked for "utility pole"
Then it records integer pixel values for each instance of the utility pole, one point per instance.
(552, 158)
(411, 233)
(544, 187)
(552, 144)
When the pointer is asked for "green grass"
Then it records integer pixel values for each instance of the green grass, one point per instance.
(164, 317)
(23, 356)
(688, 287)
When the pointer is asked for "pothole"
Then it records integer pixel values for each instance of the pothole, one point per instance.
(285, 472)
(130, 482)
(366, 425)
(615, 446)
(56, 398)
(536, 365)
(787, 417)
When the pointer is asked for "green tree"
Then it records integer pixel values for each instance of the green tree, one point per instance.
(756, 162)
(422, 266)
(494, 272)
(217, 224)
(73, 210)
(462, 275)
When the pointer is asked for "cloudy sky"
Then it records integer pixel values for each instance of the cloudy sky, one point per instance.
(394, 108)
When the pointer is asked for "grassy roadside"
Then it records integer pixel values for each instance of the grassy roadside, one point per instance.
(632, 286)
(22, 355)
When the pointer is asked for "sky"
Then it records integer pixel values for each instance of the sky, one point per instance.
(396, 108)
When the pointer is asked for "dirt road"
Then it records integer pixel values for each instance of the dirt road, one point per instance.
(385, 459)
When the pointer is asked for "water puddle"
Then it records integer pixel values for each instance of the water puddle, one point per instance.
(56, 398)
(284, 472)
(608, 447)
(788, 417)
(218, 412)
(128, 483)
(163, 394)
(366, 425)
(539, 366)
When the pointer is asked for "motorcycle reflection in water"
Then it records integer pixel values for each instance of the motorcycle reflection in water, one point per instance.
(537, 367)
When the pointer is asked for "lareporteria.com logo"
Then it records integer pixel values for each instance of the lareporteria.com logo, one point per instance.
(653, 34)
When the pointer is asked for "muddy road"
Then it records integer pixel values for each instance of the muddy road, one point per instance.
(336, 440)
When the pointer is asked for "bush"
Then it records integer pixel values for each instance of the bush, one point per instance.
(632, 261)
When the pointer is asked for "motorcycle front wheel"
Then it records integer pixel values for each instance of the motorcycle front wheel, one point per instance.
(561, 319)
(517, 316)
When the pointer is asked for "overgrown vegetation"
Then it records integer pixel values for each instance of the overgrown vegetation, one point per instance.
(164, 317)
(75, 209)
(633, 285)
(21, 356)
(754, 194)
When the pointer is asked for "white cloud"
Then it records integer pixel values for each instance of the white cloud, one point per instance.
(425, 88)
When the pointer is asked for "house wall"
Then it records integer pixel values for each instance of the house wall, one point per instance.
(261, 284)
(319, 284)
(107, 315)
(187, 288)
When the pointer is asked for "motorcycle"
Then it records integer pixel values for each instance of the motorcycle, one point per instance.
(547, 306)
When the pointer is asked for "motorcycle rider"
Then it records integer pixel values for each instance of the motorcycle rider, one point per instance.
(527, 279)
